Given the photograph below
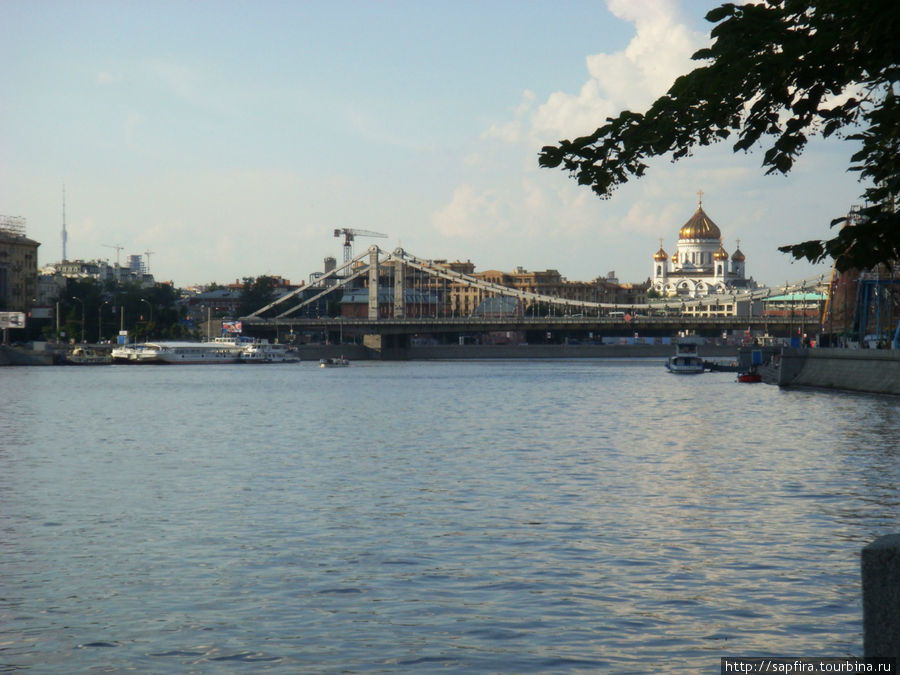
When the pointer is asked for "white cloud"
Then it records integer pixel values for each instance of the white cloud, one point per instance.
(543, 206)
(659, 52)
(471, 212)
(512, 131)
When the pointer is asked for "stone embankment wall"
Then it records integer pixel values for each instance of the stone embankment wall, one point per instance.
(448, 352)
(426, 352)
(316, 352)
(866, 370)
(441, 352)
(13, 356)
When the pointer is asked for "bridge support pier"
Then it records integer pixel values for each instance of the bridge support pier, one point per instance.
(388, 347)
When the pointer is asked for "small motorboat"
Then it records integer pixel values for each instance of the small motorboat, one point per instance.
(338, 362)
(87, 356)
(749, 376)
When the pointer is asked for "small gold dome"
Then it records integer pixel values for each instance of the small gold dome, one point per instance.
(660, 255)
(737, 256)
(721, 254)
(699, 227)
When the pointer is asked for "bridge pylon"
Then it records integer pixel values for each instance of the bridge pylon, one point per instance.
(373, 283)
(399, 285)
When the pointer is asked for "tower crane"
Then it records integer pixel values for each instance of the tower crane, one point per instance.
(118, 248)
(349, 235)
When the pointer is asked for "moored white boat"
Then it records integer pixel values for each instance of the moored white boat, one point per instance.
(224, 351)
(237, 349)
(686, 360)
(263, 351)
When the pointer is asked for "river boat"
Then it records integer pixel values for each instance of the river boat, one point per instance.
(237, 349)
(749, 376)
(221, 350)
(263, 351)
(686, 360)
(719, 367)
(87, 356)
(337, 362)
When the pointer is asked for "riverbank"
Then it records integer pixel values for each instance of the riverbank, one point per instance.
(862, 370)
(314, 352)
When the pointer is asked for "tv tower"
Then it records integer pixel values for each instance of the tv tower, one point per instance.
(64, 235)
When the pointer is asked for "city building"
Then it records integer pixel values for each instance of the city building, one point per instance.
(225, 301)
(101, 270)
(18, 266)
(419, 303)
(464, 299)
(215, 304)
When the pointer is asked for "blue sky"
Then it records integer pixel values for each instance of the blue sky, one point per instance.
(232, 138)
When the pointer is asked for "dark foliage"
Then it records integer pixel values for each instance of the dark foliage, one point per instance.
(256, 293)
(777, 73)
(99, 310)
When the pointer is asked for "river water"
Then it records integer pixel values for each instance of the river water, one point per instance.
(500, 516)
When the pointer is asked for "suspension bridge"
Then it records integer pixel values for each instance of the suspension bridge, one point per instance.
(393, 296)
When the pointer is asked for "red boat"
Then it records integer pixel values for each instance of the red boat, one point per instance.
(749, 376)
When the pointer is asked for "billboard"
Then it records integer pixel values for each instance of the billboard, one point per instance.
(12, 320)
(41, 312)
(231, 327)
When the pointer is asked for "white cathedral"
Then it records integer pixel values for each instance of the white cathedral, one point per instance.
(700, 265)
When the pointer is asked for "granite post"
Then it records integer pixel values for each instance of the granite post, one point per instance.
(880, 566)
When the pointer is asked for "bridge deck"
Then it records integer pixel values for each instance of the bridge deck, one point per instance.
(778, 325)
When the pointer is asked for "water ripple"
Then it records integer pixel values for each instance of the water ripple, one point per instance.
(499, 517)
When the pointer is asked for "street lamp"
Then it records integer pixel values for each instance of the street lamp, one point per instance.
(82, 316)
(100, 320)
(208, 309)
(151, 313)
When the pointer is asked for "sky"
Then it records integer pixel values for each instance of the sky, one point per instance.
(231, 138)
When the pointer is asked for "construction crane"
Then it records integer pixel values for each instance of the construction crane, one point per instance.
(349, 235)
(118, 248)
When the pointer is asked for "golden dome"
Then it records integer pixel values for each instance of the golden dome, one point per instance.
(675, 257)
(721, 254)
(660, 255)
(699, 227)
(737, 256)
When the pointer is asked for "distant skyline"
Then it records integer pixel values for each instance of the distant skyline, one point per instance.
(230, 139)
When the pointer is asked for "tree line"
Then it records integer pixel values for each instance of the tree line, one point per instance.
(93, 311)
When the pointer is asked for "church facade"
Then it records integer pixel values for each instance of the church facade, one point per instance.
(700, 265)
